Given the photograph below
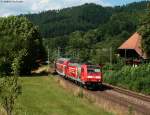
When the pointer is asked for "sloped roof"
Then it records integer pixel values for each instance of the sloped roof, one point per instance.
(134, 43)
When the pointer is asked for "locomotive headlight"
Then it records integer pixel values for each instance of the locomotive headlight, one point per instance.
(98, 77)
(90, 77)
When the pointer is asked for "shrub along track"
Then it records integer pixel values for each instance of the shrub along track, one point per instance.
(113, 99)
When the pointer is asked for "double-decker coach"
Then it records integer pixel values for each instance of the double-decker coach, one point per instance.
(60, 66)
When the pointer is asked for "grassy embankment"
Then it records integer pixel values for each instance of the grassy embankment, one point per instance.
(44, 96)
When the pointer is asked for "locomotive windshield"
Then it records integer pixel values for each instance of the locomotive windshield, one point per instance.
(93, 69)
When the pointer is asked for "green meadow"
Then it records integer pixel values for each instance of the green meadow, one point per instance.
(44, 96)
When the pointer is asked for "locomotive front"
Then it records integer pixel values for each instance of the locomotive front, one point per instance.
(92, 75)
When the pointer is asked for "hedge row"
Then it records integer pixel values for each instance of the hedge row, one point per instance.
(133, 78)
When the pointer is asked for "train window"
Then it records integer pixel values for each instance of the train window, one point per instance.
(93, 69)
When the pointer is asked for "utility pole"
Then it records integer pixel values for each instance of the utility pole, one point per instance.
(111, 55)
(148, 8)
(78, 53)
(48, 57)
(58, 52)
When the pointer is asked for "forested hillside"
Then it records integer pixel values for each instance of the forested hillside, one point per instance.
(82, 29)
(54, 23)
(60, 22)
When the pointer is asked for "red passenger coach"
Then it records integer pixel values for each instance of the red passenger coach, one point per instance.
(85, 74)
(60, 66)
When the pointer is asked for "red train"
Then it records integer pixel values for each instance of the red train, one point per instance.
(85, 74)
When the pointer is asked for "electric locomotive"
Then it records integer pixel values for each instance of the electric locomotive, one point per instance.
(85, 74)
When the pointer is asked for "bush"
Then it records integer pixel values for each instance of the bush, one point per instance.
(134, 78)
(16, 34)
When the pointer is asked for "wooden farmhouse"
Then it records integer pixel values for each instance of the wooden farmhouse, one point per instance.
(132, 51)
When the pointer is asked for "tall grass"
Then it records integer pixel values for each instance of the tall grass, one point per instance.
(133, 78)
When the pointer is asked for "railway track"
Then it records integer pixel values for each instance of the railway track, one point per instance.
(129, 93)
(139, 108)
(136, 101)
(139, 103)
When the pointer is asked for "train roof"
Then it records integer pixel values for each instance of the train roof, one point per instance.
(75, 64)
(64, 59)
